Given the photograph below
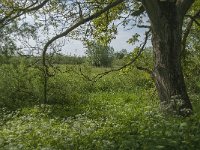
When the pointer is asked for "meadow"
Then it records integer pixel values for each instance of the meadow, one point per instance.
(119, 111)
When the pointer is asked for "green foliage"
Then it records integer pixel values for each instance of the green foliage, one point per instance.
(104, 31)
(119, 111)
(125, 80)
(99, 55)
(145, 59)
(71, 60)
(19, 85)
(121, 54)
(192, 70)
(7, 45)
(134, 39)
(192, 54)
(109, 120)
(68, 88)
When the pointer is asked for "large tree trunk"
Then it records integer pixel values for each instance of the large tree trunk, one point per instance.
(168, 75)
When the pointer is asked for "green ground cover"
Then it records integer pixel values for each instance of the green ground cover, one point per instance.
(119, 111)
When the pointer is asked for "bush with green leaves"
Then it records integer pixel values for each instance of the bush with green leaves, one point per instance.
(67, 88)
(99, 55)
(19, 85)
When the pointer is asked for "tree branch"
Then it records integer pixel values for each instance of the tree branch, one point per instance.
(185, 35)
(144, 26)
(195, 17)
(187, 30)
(80, 11)
(39, 6)
(149, 71)
(8, 18)
(184, 5)
(139, 11)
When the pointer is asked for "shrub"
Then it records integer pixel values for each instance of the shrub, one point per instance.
(99, 55)
(19, 85)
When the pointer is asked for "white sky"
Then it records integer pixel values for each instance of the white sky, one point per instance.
(74, 47)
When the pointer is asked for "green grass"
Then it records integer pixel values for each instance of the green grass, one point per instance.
(120, 111)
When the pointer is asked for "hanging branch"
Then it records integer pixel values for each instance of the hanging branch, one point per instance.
(144, 26)
(184, 5)
(188, 28)
(20, 11)
(195, 17)
(139, 11)
(65, 33)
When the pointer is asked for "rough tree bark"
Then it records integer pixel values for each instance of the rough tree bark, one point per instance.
(166, 21)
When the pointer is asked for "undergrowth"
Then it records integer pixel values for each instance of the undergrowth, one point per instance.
(119, 111)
